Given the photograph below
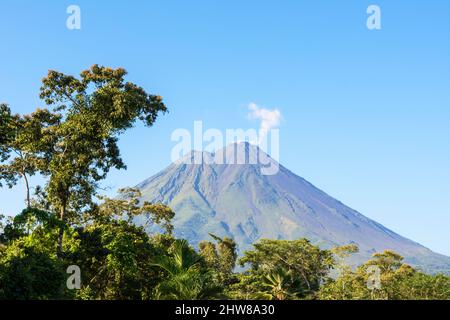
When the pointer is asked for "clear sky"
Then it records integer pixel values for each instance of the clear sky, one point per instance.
(366, 114)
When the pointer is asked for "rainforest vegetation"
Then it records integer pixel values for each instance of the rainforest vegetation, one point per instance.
(71, 145)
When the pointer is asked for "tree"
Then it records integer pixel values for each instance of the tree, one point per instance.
(115, 259)
(29, 274)
(24, 223)
(208, 251)
(278, 281)
(397, 281)
(220, 257)
(5, 130)
(29, 267)
(93, 111)
(116, 255)
(186, 280)
(24, 143)
(307, 266)
(127, 206)
(421, 286)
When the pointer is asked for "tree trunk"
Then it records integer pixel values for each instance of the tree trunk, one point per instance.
(27, 186)
(62, 218)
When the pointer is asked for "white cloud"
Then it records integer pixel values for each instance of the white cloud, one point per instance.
(270, 119)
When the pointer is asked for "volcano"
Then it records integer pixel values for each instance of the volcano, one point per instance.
(239, 201)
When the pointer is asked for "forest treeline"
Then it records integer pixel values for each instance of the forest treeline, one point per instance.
(71, 144)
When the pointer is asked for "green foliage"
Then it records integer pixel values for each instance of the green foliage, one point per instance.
(186, 280)
(29, 268)
(208, 251)
(120, 261)
(278, 282)
(115, 256)
(397, 281)
(128, 206)
(284, 269)
(220, 257)
(95, 110)
(27, 273)
(5, 132)
(115, 260)
(75, 144)
(25, 144)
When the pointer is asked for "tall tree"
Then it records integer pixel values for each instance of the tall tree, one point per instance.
(95, 110)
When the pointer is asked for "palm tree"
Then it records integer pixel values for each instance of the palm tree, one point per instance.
(278, 282)
(186, 280)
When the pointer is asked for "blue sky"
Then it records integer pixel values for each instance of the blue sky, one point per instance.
(366, 114)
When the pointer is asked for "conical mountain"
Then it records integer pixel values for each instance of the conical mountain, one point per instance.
(241, 202)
